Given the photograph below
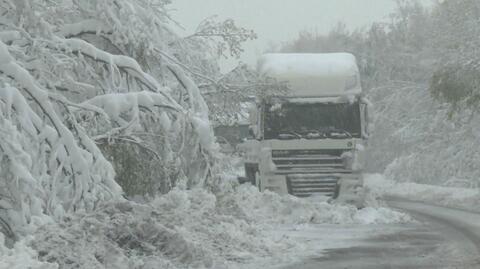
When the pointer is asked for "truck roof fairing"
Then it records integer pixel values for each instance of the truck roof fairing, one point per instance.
(315, 74)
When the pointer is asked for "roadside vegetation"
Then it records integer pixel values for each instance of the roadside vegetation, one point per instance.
(420, 67)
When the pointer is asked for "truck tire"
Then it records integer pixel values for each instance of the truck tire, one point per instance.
(251, 170)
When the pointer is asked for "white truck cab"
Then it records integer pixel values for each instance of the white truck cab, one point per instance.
(310, 140)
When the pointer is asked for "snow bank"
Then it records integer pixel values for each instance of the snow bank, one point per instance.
(183, 229)
(191, 229)
(272, 209)
(463, 198)
(21, 256)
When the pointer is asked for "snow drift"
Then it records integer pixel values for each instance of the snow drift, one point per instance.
(185, 229)
(456, 197)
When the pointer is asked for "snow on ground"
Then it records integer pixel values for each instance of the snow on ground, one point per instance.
(463, 198)
(238, 227)
(21, 256)
(320, 241)
(307, 227)
(271, 208)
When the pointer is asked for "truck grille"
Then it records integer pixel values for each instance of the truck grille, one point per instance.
(309, 161)
(304, 185)
(310, 172)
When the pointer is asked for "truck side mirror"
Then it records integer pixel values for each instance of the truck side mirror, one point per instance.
(254, 120)
(365, 120)
(253, 115)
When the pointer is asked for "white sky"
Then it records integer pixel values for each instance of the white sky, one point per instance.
(277, 21)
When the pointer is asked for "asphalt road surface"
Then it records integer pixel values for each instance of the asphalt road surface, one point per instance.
(441, 238)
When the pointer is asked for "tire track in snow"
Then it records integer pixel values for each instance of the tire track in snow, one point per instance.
(461, 227)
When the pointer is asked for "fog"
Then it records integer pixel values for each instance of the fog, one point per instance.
(128, 141)
(278, 21)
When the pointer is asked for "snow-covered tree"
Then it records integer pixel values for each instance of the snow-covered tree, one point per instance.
(456, 41)
(95, 92)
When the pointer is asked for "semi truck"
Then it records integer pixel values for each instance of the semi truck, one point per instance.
(310, 139)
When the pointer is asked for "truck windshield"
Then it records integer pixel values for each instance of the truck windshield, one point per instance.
(312, 120)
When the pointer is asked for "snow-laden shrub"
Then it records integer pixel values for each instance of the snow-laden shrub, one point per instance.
(120, 235)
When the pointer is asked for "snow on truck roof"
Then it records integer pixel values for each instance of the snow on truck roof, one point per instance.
(314, 75)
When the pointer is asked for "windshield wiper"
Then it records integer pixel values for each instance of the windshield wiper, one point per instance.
(287, 135)
(338, 133)
(315, 134)
(330, 132)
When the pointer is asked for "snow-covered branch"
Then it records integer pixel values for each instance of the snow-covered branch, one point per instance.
(89, 26)
(80, 160)
(95, 95)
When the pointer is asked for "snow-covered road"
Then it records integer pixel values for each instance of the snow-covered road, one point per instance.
(458, 227)
(441, 238)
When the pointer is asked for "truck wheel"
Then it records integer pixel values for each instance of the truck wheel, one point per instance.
(250, 173)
